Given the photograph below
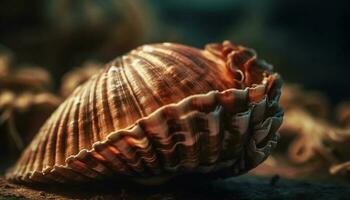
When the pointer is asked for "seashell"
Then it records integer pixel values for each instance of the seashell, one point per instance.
(5, 60)
(343, 114)
(17, 124)
(160, 111)
(24, 93)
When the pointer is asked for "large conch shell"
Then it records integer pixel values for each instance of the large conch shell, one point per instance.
(159, 111)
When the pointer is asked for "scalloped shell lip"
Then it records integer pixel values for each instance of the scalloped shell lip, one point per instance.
(228, 99)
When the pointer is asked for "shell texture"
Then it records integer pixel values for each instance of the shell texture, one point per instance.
(160, 111)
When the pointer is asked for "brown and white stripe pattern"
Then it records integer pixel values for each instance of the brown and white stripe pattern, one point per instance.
(159, 111)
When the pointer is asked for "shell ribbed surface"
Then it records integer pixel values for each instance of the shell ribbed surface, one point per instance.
(159, 111)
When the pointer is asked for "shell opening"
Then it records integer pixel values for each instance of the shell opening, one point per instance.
(241, 63)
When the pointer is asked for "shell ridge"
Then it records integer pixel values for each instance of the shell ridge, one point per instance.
(214, 134)
(106, 121)
(60, 150)
(143, 84)
(130, 101)
(128, 156)
(37, 165)
(62, 174)
(141, 111)
(111, 154)
(255, 152)
(173, 82)
(187, 156)
(161, 84)
(138, 153)
(234, 133)
(205, 63)
(94, 116)
(95, 162)
(71, 143)
(30, 161)
(154, 166)
(185, 61)
(69, 128)
(22, 167)
(19, 166)
(84, 126)
(52, 138)
(116, 96)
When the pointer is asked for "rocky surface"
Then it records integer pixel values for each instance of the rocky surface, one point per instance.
(239, 188)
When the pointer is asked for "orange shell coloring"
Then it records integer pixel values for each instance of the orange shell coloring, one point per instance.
(160, 111)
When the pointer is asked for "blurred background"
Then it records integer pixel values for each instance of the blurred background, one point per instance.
(44, 44)
(307, 41)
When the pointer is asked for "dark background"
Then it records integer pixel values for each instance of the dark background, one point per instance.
(306, 41)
